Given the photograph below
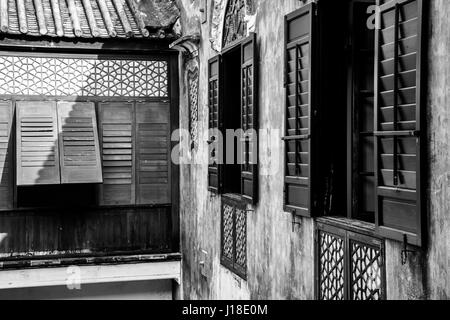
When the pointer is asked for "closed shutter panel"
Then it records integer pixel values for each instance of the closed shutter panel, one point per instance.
(399, 115)
(117, 144)
(249, 175)
(78, 144)
(37, 143)
(214, 167)
(153, 158)
(6, 147)
(299, 94)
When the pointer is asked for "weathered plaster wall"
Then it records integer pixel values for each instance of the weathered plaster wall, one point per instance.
(280, 261)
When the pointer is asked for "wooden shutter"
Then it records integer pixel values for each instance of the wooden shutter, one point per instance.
(249, 109)
(37, 158)
(116, 120)
(6, 160)
(153, 153)
(399, 119)
(299, 33)
(78, 144)
(214, 167)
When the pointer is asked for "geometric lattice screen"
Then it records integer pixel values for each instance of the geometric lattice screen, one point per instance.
(351, 266)
(234, 236)
(82, 77)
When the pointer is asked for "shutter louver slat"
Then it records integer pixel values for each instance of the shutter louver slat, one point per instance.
(249, 120)
(399, 109)
(117, 140)
(6, 147)
(37, 143)
(78, 143)
(300, 30)
(153, 159)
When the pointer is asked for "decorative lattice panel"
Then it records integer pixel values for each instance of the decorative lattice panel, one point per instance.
(235, 26)
(366, 272)
(193, 105)
(227, 231)
(82, 77)
(234, 236)
(241, 238)
(331, 260)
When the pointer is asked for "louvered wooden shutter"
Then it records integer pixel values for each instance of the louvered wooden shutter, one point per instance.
(400, 120)
(299, 72)
(6, 149)
(214, 167)
(78, 143)
(153, 153)
(249, 110)
(116, 122)
(37, 158)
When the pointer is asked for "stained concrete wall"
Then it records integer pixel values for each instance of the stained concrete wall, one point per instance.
(281, 261)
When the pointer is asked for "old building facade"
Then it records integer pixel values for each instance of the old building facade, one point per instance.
(348, 199)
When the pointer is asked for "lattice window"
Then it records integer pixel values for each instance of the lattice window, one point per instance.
(193, 105)
(351, 266)
(331, 264)
(234, 236)
(235, 26)
(82, 77)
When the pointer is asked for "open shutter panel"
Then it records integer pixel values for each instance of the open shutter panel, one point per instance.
(299, 35)
(37, 143)
(214, 168)
(153, 153)
(78, 144)
(249, 174)
(6, 147)
(398, 117)
(116, 136)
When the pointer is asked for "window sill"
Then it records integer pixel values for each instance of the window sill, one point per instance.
(351, 225)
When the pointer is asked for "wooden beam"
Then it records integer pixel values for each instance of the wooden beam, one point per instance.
(57, 17)
(23, 26)
(138, 17)
(107, 19)
(123, 17)
(91, 19)
(40, 17)
(75, 19)
(4, 18)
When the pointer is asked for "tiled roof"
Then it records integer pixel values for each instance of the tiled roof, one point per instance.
(88, 18)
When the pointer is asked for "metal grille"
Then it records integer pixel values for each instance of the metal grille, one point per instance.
(331, 267)
(366, 272)
(235, 26)
(82, 77)
(234, 236)
(193, 105)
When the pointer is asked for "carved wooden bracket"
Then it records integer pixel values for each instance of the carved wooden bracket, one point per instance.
(188, 45)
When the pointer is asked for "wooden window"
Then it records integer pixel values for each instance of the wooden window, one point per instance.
(233, 102)
(399, 120)
(116, 122)
(78, 143)
(299, 53)
(6, 155)
(37, 147)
